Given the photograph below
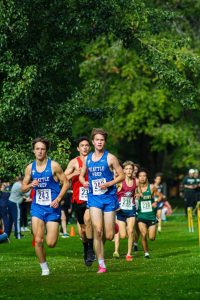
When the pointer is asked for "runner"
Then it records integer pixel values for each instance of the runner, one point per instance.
(197, 190)
(44, 176)
(102, 198)
(137, 232)
(189, 186)
(147, 208)
(126, 214)
(158, 185)
(80, 198)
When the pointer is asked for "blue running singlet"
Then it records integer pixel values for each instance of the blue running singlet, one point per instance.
(47, 191)
(99, 173)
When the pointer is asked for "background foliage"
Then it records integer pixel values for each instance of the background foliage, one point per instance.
(130, 66)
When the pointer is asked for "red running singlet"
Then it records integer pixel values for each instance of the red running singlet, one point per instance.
(77, 187)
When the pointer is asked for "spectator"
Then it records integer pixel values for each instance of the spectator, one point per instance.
(15, 199)
(4, 207)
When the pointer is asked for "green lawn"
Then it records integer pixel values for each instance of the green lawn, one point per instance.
(173, 272)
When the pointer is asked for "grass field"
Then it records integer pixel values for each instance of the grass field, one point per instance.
(173, 272)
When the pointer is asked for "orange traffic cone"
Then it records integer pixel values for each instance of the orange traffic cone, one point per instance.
(72, 231)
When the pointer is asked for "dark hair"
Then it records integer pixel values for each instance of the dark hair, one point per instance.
(82, 138)
(41, 140)
(159, 174)
(137, 165)
(143, 170)
(99, 131)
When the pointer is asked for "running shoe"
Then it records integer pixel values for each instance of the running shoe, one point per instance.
(135, 248)
(88, 262)
(90, 258)
(65, 235)
(129, 257)
(45, 272)
(26, 229)
(116, 254)
(101, 270)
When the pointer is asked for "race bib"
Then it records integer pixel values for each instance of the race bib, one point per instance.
(146, 206)
(43, 196)
(126, 203)
(136, 204)
(95, 186)
(83, 194)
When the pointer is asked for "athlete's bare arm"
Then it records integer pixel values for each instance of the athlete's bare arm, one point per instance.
(114, 164)
(156, 193)
(72, 169)
(82, 175)
(27, 184)
(60, 176)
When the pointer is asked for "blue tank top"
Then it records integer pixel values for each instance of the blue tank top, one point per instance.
(98, 173)
(48, 189)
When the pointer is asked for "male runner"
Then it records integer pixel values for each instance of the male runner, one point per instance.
(45, 177)
(148, 197)
(126, 214)
(102, 198)
(159, 186)
(80, 197)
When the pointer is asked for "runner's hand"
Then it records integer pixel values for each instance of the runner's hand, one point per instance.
(34, 183)
(104, 186)
(154, 204)
(86, 184)
(55, 203)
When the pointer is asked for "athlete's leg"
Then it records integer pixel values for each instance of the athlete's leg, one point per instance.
(97, 223)
(152, 232)
(89, 237)
(136, 236)
(88, 224)
(52, 233)
(122, 229)
(38, 227)
(159, 211)
(109, 225)
(130, 229)
(117, 239)
(64, 222)
(143, 231)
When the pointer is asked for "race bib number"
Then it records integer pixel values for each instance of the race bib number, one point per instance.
(146, 206)
(43, 196)
(83, 194)
(95, 186)
(136, 204)
(126, 203)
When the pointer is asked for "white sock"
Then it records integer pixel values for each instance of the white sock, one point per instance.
(102, 263)
(146, 254)
(135, 244)
(44, 266)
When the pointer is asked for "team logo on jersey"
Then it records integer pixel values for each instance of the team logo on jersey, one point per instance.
(33, 172)
(128, 194)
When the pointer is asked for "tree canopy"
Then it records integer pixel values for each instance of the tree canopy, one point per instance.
(130, 66)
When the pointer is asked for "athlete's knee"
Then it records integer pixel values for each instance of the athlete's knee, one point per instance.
(39, 241)
(130, 232)
(98, 231)
(109, 236)
(122, 235)
(63, 218)
(144, 235)
(51, 244)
